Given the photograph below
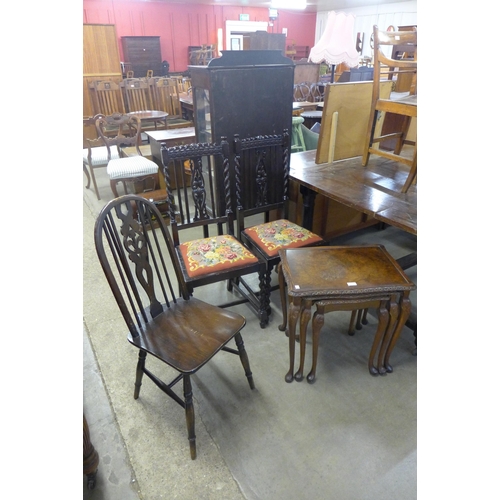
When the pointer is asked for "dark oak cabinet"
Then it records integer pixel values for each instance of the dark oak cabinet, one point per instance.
(143, 53)
(245, 92)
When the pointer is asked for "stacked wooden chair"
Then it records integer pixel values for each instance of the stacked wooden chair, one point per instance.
(404, 74)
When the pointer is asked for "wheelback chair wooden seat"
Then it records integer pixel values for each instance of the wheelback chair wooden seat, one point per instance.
(137, 256)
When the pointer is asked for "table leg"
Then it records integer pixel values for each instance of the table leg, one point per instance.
(293, 314)
(308, 198)
(352, 323)
(383, 320)
(305, 316)
(393, 315)
(282, 285)
(317, 325)
(405, 309)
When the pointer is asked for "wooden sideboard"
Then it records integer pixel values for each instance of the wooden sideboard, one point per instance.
(143, 53)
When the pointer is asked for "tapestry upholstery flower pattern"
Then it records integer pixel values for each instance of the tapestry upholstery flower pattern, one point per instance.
(209, 255)
(272, 236)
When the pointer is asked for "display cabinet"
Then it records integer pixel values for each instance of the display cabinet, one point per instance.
(245, 92)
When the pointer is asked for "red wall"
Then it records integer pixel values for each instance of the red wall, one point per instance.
(180, 25)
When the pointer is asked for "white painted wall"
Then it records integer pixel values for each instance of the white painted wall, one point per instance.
(242, 26)
(383, 15)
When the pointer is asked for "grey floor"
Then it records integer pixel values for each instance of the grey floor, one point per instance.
(348, 436)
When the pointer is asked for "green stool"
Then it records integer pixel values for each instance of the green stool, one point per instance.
(298, 143)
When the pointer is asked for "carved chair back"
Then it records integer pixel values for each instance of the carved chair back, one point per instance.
(127, 131)
(196, 202)
(261, 173)
(136, 253)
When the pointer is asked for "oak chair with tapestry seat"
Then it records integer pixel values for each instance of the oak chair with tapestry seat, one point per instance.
(137, 255)
(128, 169)
(261, 173)
(404, 73)
(203, 229)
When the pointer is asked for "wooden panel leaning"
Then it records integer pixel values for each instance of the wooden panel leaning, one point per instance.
(346, 114)
(101, 60)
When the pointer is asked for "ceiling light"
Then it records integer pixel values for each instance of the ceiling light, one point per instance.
(289, 4)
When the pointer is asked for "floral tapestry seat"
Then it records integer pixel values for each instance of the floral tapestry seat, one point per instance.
(272, 236)
(214, 255)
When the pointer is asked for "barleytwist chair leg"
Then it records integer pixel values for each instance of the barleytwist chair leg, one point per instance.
(264, 298)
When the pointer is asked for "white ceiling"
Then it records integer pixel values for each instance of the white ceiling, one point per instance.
(312, 5)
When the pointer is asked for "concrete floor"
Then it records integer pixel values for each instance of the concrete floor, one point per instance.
(348, 436)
